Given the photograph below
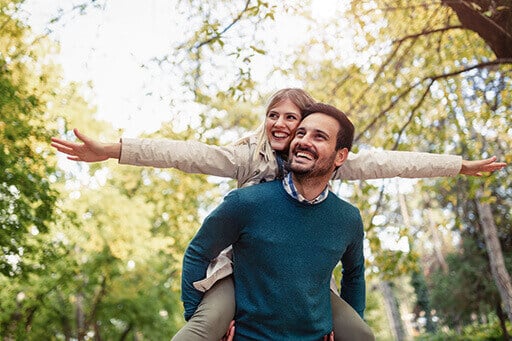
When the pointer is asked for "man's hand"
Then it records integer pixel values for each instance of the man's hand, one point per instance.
(88, 151)
(231, 332)
(477, 167)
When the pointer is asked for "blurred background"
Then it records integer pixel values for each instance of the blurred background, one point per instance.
(93, 251)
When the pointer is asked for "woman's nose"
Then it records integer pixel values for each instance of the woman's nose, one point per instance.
(280, 122)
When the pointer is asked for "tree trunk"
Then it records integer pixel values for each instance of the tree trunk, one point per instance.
(392, 311)
(437, 243)
(80, 320)
(502, 318)
(97, 334)
(497, 263)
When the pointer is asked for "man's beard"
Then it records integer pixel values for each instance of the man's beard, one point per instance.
(290, 169)
(301, 172)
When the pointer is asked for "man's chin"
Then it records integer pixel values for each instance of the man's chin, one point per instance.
(299, 169)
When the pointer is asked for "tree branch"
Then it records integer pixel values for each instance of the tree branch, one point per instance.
(219, 34)
(501, 61)
(398, 43)
(411, 116)
(481, 15)
(96, 302)
(424, 33)
(377, 208)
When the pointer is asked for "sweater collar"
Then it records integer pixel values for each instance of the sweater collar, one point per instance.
(289, 187)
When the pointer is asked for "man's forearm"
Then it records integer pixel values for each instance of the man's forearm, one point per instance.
(194, 269)
(353, 291)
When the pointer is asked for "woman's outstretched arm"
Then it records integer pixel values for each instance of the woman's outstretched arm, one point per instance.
(377, 164)
(232, 161)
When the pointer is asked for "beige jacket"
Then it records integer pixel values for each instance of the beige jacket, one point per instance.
(237, 162)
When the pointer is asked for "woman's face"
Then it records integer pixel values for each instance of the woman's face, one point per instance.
(280, 124)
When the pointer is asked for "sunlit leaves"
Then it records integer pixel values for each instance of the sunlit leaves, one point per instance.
(26, 197)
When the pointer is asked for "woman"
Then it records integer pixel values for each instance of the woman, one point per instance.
(260, 157)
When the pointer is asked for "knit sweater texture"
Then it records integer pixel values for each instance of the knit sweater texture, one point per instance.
(284, 253)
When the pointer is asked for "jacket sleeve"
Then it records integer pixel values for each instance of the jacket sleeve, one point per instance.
(220, 229)
(230, 161)
(377, 164)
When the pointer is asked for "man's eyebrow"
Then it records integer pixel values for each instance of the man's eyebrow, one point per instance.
(322, 132)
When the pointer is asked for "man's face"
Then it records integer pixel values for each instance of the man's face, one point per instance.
(280, 124)
(313, 149)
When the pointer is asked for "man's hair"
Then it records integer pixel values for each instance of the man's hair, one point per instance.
(345, 135)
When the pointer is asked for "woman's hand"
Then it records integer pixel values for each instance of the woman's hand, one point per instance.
(88, 151)
(230, 333)
(477, 167)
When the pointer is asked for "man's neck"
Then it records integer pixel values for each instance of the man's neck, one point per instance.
(310, 187)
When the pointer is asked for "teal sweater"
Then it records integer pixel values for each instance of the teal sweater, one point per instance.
(284, 252)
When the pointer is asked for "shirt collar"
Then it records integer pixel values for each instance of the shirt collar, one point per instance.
(292, 191)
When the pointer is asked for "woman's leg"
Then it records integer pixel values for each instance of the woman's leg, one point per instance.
(347, 324)
(213, 315)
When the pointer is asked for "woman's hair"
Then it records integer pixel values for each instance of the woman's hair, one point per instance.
(298, 97)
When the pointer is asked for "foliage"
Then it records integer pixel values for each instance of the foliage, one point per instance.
(26, 197)
(473, 332)
(422, 306)
(203, 53)
(466, 289)
(375, 314)
(86, 269)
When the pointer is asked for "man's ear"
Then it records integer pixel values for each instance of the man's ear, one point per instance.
(341, 157)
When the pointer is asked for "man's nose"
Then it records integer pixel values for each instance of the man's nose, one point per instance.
(305, 141)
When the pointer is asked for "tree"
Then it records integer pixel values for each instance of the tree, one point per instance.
(27, 199)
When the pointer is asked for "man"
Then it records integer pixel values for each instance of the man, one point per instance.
(287, 237)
